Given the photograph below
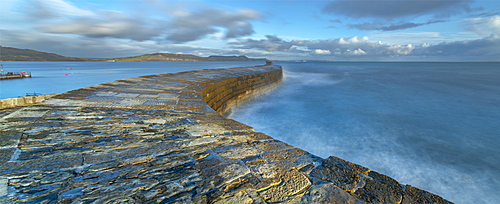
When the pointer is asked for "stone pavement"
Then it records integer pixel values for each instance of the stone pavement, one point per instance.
(163, 139)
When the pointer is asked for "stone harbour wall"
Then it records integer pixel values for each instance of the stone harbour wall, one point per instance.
(163, 139)
(222, 95)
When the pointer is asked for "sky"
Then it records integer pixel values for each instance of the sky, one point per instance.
(336, 30)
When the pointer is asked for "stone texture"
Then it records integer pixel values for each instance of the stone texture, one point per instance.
(163, 139)
(328, 193)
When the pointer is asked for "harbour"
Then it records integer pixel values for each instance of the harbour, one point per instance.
(13, 75)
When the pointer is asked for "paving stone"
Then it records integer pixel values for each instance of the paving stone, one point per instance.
(3, 186)
(56, 177)
(239, 197)
(239, 152)
(328, 193)
(292, 184)
(344, 174)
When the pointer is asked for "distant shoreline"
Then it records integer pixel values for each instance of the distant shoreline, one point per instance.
(16, 54)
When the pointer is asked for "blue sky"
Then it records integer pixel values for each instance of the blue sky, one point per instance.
(338, 30)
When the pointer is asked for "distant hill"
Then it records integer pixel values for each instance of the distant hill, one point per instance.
(15, 54)
(235, 58)
(170, 57)
(162, 57)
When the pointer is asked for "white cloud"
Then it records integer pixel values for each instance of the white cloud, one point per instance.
(300, 48)
(359, 51)
(321, 52)
(355, 39)
(402, 50)
(349, 46)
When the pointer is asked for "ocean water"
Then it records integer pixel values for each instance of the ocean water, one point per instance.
(435, 126)
(58, 77)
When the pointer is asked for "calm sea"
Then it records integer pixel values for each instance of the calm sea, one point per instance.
(58, 77)
(435, 126)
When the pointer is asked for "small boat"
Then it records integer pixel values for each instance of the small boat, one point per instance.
(26, 74)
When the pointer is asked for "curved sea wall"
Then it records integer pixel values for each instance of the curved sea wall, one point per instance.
(163, 138)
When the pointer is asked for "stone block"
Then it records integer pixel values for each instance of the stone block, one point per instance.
(328, 193)
(344, 174)
(293, 184)
(415, 195)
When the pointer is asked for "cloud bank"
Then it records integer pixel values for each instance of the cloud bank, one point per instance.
(57, 16)
(345, 47)
(396, 9)
(194, 25)
(361, 48)
(396, 14)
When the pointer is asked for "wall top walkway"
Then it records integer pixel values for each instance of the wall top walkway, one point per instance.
(162, 139)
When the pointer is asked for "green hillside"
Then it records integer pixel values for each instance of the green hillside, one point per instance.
(15, 54)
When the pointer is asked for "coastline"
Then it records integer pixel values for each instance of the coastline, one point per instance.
(163, 138)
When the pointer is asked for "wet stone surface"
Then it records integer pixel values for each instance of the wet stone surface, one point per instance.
(155, 139)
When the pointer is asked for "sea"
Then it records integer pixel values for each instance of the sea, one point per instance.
(59, 77)
(433, 125)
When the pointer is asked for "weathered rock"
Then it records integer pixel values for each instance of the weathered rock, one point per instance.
(290, 185)
(343, 174)
(328, 193)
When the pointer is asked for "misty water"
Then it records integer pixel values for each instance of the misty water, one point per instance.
(434, 126)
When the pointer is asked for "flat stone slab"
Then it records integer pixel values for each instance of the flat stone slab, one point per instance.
(154, 139)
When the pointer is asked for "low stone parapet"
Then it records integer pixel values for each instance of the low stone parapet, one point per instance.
(23, 101)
